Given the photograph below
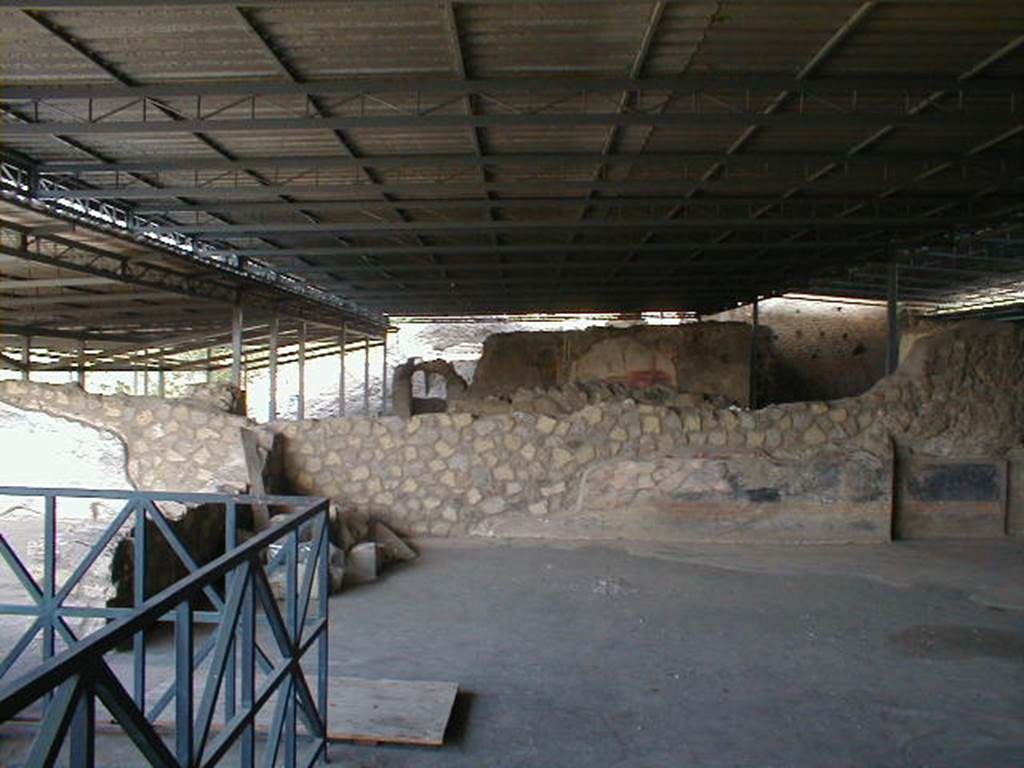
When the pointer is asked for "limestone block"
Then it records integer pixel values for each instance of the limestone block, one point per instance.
(473, 496)
(619, 434)
(528, 451)
(539, 508)
(436, 465)
(814, 436)
(504, 472)
(444, 450)
(546, 425)
(651, 425)
(560, 457)
(494, 505)
(553, 490)
(360, 473)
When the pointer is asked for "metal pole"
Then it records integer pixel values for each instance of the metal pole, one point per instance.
(301, 407)
(341, 370)
(754, 325)
(366, 375)
(275, 326)
(236, 345)
(160, 376)
(145, 371)
(81, 363)
(26, 357)
(209, 364)
(384, 375)
(893, 357)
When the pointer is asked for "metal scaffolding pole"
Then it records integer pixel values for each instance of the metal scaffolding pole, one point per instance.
(366, 376)
(275, 326)
(341, 369)
(384, 375)
(160, 377)
(236, 345)
(301, 405)
(209, 364)
(145, 371)
(892, 360)
(26, 357)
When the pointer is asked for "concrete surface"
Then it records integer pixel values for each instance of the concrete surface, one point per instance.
(905, 654)
(870, 655)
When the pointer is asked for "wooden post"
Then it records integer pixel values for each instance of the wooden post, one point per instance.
(301, 406)
(275, 327)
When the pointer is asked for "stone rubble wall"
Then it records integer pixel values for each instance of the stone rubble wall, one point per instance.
(959, 393)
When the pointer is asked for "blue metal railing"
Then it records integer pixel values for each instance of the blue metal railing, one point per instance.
(68, 683)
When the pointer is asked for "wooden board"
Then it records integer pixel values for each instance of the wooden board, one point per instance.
(374, 711)
(392, 711)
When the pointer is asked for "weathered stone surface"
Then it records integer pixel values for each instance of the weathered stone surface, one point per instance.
(959, 393)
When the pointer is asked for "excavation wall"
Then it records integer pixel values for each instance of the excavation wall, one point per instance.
(710, 358)
(820, 471)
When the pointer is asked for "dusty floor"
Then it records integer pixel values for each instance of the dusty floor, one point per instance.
(892, 655)
(896, 655)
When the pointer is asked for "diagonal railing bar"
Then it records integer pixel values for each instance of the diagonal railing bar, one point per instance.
(70, 714)
(20, 571)
(120, 704)
(108, 535)
(47, 743)
(288, 646)
(232, 611)
(273, 746)
(306, 590)
(23, 642)
(168, 695)
(179, 548)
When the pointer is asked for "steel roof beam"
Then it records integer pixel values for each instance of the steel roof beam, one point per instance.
(470, 161)
(709, 120)
(651, 225)
(748, 185)
(903, 204)
(555, 248)
(550, 84)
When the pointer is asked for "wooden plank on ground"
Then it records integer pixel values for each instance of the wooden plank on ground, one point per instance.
(391, 711)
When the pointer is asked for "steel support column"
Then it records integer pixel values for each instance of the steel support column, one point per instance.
(26, 357)
(366, 376)
(275, 324)
(343, 342)
(81, 363)
(236, 345)
(892, 359)
(301, 404)
(754, 325)
(384, 375)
